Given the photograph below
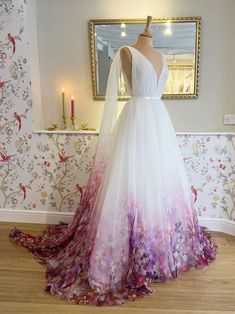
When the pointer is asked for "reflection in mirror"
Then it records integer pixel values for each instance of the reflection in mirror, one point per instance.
(177, 38)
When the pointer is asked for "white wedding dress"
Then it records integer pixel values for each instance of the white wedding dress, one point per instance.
(136, 223)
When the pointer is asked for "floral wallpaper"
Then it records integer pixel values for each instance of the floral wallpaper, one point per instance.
(48, 172)
(210, 162)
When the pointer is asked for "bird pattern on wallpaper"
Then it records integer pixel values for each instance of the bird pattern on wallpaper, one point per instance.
(49, 171)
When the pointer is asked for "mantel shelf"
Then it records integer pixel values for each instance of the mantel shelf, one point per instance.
(97, 132)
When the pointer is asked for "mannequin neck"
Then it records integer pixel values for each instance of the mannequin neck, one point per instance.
(144, 41)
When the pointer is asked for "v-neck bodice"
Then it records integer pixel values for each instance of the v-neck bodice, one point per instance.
(145, 81)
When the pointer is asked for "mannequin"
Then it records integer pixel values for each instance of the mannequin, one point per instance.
(144, 44)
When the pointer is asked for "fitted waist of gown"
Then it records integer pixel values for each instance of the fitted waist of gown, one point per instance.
(145, 97)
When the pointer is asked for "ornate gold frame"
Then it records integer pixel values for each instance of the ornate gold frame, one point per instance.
(93, 23)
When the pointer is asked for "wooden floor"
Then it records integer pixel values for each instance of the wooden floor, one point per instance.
(208, 290)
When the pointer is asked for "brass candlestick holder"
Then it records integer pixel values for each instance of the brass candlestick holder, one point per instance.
(73, 120)
(64, 118)
(54, 126)
(81, 127)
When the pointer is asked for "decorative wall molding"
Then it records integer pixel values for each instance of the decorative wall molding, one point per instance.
(54, 217)
(97, 132)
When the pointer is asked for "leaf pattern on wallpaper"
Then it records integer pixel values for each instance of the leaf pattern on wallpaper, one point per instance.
(49, 172)
(212, 170)
(6, 6)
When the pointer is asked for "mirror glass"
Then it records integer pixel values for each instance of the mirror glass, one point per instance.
(177, 38)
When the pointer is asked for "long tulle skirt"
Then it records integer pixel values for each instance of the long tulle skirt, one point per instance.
(136, 222)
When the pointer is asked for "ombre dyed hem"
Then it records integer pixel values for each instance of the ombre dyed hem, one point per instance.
(75, 285)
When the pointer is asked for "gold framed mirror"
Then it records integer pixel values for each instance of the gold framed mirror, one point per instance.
(178, 38)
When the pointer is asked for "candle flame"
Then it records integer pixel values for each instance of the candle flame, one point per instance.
(72, 97)
(62, 89)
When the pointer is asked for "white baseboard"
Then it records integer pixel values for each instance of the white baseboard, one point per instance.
(218, 224)
(34, 216)
(54, 217)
